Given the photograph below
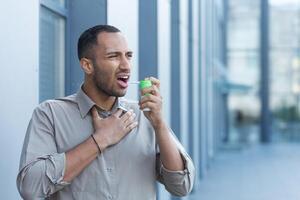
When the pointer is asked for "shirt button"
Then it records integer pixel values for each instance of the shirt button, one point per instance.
(109, 169)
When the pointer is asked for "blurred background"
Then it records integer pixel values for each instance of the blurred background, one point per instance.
(230, 79)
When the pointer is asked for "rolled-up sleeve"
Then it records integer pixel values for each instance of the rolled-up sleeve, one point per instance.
(178, 183)
(41, 166)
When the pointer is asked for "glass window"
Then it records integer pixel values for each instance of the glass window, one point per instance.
(244, 70)
(62, 3)
(52, 55)
(244, 67)
(56, 3)
(285, 68)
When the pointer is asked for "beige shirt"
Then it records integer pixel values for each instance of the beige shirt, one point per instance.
(125, 171)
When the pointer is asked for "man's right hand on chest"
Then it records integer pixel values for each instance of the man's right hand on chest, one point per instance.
(111, 130)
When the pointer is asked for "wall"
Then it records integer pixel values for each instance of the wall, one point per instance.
(195, 76)
(129, 27)
(184, 120)
(164, 65)
(189, 55)
(19, 84)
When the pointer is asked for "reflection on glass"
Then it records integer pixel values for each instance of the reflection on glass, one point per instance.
(59, 3)
(62, 3)
(285, 69)
(243, 67)
(52, 55)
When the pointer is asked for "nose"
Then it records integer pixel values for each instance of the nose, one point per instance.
(125, 63)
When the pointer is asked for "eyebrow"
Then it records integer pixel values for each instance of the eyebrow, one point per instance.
(116, 52)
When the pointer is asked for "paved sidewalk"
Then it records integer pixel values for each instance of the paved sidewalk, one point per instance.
(261, 172)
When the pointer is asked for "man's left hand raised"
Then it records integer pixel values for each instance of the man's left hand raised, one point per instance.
(152, 99)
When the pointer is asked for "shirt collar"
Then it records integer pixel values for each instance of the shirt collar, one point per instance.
(85, 103)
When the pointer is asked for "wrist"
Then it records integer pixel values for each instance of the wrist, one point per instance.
(159, 125)
(102, 144)
(97, 145)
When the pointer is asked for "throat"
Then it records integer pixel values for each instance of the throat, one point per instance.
(100, 97)
(106, 103)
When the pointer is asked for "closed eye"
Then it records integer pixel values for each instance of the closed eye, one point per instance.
(129, 55)
(112, 56)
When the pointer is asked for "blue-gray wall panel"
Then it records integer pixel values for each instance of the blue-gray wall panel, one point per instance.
(264, 62)
(148, 59)
(224, 58)
(82, 15)
(175, 67)
(190, 80)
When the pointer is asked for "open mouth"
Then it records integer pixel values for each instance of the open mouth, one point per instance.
(123, 80)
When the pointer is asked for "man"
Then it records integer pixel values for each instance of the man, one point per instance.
(95, 144)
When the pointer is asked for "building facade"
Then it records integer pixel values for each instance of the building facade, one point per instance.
(182, 42)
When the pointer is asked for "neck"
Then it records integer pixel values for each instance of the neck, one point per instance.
(101, 99)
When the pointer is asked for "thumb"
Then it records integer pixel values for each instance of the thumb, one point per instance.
(95, 114)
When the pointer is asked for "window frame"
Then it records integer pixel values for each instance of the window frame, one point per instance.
(63, 12)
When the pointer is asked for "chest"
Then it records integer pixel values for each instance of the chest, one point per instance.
(70, 129)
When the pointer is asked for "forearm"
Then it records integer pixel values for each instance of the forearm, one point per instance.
(42, 176)
(79, 158)
(169, 153)
(178, 172)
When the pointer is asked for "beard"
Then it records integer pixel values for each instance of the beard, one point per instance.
(105, 85)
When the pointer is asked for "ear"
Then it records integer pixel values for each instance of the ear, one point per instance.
(87, 65)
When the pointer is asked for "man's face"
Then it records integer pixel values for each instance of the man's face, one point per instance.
(111, 64)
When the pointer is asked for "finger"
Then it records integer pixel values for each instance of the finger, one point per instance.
(131, 126)
(95, 114)
(126, 115)
(150, 98)
(154, 81)
(130, 119)
(152, 106)
(150, 90)
(118, 113)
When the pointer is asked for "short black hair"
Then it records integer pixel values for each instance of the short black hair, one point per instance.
(89, 38)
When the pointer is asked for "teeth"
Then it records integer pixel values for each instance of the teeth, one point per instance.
(124, 77)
